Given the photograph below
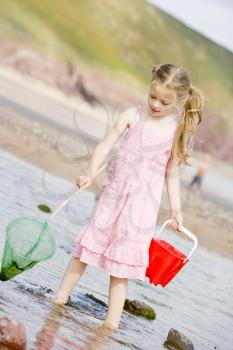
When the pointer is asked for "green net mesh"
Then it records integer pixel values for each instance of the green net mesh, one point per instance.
(28, 242)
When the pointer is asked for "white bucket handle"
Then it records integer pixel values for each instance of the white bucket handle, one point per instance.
(186, 231)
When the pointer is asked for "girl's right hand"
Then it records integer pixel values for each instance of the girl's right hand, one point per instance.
(83, 181)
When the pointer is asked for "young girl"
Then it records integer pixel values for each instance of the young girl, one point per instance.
(119, 232)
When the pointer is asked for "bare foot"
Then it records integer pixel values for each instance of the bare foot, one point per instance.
(56, 299)
(110, 326)
(61, 300)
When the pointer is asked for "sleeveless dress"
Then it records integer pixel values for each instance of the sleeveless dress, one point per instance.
(118, 234)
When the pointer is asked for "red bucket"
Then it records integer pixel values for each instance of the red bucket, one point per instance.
(165, 261)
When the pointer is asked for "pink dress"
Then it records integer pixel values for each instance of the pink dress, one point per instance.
(118, 233)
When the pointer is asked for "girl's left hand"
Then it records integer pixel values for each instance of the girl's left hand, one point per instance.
(176, 220)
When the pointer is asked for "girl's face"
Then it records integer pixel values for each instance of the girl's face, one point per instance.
(161, 100)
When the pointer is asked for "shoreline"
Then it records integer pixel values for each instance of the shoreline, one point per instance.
(43, 90)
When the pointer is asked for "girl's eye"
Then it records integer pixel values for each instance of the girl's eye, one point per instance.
(165, 104)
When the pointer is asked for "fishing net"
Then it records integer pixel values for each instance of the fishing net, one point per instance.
(28, 242)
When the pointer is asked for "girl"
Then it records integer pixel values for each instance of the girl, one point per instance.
(118, 234)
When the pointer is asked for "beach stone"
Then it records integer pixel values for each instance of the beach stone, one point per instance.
(98, 301)
(135, 307)
(177, 341)
(139, 308)
(12, 333)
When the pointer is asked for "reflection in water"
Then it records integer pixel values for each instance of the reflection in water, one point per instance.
(102, 338)
(46, 337)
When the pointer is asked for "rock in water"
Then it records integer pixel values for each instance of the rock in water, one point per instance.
(177, 341)
(12, 333)
(139, 308)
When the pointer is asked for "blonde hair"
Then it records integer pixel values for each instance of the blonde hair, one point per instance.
(191, 101)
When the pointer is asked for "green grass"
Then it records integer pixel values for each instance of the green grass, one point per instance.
(125, 36)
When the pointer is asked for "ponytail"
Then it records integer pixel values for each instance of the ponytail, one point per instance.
(191, 116)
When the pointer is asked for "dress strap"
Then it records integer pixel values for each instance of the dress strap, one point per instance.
(138, 116)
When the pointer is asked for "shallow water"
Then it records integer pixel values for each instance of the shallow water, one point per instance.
(215, 187)
(197, 302)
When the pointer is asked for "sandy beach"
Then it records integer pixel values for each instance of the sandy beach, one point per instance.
(63, 154)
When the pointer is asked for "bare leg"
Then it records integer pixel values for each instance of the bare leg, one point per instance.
(73, 273)
(118, 288)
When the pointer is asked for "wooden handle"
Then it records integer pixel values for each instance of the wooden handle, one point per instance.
(63, 204)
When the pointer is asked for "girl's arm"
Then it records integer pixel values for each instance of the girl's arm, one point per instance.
(172, 179)
(103, 147)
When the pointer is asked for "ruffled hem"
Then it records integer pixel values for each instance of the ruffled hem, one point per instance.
(130, 254)
(117, 269)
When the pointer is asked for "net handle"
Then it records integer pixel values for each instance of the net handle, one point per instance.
(187, 232)
(59, 208)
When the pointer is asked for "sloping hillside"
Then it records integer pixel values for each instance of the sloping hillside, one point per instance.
(127, 37)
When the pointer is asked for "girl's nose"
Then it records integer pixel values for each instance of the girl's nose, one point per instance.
(156, 103)
(156, 106)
